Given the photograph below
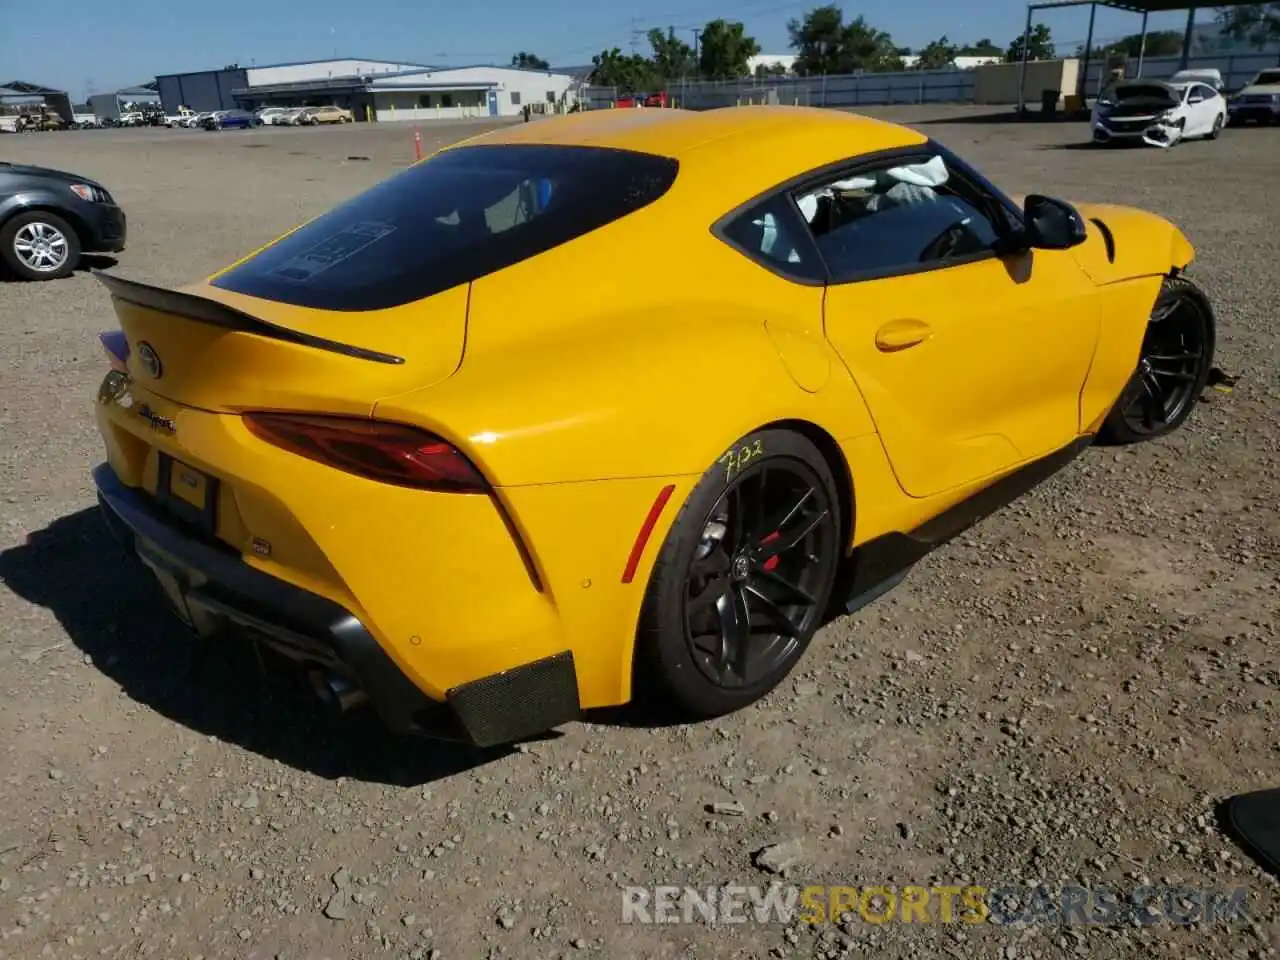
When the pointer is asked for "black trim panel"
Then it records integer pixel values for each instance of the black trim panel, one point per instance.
(518, 703)
(1108, 238)
(202, 310)
(882, 563)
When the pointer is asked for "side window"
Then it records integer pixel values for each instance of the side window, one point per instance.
(770, 233)
(902, 217)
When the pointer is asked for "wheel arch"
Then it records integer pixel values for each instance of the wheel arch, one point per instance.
(72, 219)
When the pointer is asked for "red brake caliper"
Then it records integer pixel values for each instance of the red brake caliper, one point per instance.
(772, 562)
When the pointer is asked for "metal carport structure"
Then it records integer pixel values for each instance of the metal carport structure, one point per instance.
(57, 100)
(1144, 7)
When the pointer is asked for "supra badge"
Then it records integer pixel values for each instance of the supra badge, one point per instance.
(150, 360)
(163, 424)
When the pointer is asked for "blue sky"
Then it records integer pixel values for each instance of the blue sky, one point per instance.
(106, 45)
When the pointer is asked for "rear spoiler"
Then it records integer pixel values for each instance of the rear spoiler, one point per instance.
(203, 310)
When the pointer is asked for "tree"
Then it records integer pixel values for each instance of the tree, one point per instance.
(825, 44)
(1040, 47)
(629, 74)
(725, 50)
(983, 48)
(1161, 43)
(672, 58)
(527, 61)
(938, 55)
(1258, 23)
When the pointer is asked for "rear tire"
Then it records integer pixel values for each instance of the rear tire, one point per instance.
(743, 579)
(1173, 367)
(1218, 123)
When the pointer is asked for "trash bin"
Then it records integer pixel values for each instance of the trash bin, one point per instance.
(1049, 102)
(1072, 104)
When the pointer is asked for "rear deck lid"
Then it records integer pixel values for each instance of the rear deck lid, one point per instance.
(224, 352)
(370, 300)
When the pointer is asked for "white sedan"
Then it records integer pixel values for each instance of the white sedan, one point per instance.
(1157, 113)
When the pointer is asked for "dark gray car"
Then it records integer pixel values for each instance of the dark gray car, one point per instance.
(49, 218)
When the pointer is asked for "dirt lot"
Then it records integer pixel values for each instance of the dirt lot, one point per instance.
(1059, 698)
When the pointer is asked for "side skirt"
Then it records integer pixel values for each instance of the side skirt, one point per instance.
(881, 564)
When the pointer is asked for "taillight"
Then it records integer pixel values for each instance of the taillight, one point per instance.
(387, 452)
(116, 346)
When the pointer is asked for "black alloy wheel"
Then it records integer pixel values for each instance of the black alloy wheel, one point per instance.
(1173, 366)
(744, 578)
(764, 554)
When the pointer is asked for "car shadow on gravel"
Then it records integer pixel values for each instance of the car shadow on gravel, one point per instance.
(112, 610)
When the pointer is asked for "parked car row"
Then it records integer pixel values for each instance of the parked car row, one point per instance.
(266, 116)
(304, 116)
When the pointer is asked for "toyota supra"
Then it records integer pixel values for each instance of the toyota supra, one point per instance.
(435, 446)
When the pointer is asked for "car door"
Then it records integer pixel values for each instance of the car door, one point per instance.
(970, 353)
(1211, 106)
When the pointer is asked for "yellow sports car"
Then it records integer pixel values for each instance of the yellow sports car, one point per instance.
(623, 405)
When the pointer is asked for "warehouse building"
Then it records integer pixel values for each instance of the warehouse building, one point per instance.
(373, 89)
(216, 89)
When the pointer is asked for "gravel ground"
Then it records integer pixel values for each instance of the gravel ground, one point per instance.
(1060, 697)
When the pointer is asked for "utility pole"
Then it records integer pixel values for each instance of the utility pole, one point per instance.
(697, 58)
(635, 35)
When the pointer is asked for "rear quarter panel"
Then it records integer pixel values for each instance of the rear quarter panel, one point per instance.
(583, 364)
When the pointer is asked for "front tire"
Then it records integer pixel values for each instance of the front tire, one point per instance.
(39, 246)
(1173, 367)
(742, 582)
(1218, 123)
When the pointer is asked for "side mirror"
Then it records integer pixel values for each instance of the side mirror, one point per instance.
(1196, 98)
(1052, 224)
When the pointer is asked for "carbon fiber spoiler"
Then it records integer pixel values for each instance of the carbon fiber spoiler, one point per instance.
(202, 310)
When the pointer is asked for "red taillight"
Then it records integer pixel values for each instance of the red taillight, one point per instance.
(116, 346)
(387, 452)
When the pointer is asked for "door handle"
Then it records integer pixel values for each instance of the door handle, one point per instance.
(900, 334)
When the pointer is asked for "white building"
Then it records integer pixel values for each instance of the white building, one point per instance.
(323, 70)
(469, 92)
(769, 61)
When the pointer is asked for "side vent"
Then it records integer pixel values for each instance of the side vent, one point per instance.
(1107, 237)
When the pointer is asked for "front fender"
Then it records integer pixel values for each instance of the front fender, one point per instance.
(1125, 243)
(39, 199)
(626, 399)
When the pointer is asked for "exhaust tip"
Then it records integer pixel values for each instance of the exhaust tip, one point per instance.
(336, 693)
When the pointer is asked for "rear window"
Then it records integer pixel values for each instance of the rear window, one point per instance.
(452, 219)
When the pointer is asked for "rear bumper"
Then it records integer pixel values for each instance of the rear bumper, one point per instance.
(213, 589)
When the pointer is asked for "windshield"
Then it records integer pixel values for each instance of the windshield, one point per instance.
(449, 220)
(1268, 77)
(1136, 91)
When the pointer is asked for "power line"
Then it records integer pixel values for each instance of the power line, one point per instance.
(635, 31)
